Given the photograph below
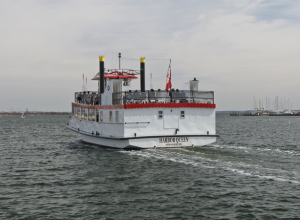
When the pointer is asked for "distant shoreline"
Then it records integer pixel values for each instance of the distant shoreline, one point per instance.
(33, 113)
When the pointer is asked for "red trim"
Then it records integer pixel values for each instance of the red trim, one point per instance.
(170, 105)
(111, 76)
(115, 77)
(119, 76)
(148, 105)
(121, 73)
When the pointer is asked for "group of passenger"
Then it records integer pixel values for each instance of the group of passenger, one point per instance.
(90, 98)
(93, 98)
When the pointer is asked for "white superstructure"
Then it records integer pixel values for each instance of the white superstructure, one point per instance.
(120, 118)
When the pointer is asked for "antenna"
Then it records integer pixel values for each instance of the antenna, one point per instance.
(83, 84)
(119, 60)
(86, 84)
(151, 85)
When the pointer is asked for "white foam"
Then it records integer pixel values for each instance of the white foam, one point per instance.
(272, 150)
(174, 157)
(241, 168)
(281, 179)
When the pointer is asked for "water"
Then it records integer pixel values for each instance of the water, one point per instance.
(251, 172)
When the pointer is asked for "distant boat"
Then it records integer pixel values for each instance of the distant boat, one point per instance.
(22, 116)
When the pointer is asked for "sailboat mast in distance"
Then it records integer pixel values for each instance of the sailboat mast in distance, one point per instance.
(151, 85)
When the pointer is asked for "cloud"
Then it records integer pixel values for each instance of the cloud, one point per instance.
(276, 9)
(241, 56)
(239, 48)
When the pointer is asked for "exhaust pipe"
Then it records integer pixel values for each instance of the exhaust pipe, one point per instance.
(101, 74)
(142, 74)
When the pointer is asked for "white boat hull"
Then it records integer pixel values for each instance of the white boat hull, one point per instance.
(148, 142)
(143, 128)
(145, 143)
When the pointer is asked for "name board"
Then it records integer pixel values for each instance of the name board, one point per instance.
(173, 141)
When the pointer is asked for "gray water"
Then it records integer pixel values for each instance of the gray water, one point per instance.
(251, 172)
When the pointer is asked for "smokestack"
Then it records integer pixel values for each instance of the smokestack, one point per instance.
(142, 74)
(101, 74)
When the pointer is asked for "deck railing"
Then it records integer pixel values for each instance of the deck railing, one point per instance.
(150, 96)
(88, 98)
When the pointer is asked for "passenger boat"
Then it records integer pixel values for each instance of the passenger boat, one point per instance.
(118, 117)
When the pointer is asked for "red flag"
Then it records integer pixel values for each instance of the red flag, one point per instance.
(168, 83)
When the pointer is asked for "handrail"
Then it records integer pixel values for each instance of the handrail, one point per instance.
(149, 96)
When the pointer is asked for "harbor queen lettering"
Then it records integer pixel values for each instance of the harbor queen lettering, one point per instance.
(173, 140)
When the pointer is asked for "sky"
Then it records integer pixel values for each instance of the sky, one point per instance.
(246, 51)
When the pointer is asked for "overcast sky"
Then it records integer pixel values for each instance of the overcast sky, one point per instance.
(240, 49)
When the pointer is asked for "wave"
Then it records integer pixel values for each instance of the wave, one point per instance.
(269, 177)
(203, 160)
(274, 151)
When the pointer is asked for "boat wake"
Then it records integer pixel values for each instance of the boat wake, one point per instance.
(260, 150)
(222, 161)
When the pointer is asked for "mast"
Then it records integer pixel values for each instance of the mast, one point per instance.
(119, 60)
(86, 84)
(151, 85)
(83, 84)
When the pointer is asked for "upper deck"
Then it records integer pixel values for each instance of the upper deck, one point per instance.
(115, 92)
(177, 97)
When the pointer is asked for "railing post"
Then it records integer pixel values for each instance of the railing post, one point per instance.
(193, 97)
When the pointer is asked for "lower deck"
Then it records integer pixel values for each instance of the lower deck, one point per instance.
(147, 142)
(161, 126)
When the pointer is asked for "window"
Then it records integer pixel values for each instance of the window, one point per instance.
(91, 115)
(110, 116)
(77, 112)
(182, 115)
(101, 115)
(81, 113)
(160, 114)
(117, 116)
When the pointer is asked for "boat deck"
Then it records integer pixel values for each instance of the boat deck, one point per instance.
(149, 96)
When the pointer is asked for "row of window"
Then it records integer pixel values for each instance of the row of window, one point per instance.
(97, 115)
(93, 115)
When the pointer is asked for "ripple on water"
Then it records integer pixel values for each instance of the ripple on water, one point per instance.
(251, 172)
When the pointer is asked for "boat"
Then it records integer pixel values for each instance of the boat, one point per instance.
(22, 116)
(116, 116)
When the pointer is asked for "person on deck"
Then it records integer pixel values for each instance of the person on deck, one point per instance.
(79, 97)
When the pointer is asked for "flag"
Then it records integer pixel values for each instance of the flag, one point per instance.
(168, 83)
